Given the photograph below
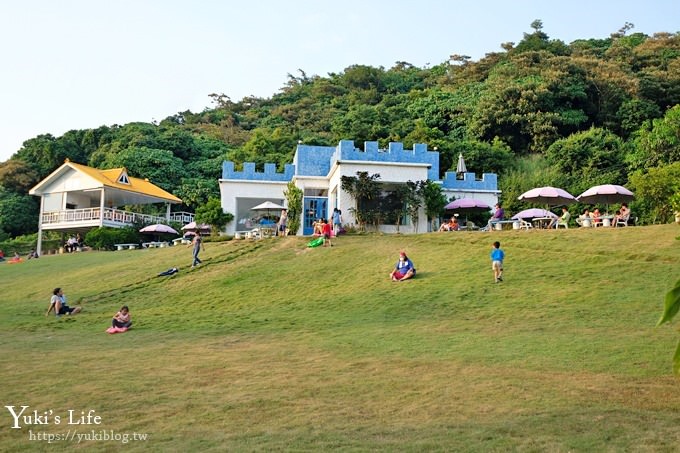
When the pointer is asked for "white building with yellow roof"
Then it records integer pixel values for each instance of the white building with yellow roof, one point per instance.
(75, 198)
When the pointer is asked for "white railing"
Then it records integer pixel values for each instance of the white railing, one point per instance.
(182, 217)
(89, 215)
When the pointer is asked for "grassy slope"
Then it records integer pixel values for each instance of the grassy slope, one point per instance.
(270, 345)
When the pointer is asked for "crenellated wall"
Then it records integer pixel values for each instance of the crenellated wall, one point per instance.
(395, 153)
(469, 182)
(249, 173)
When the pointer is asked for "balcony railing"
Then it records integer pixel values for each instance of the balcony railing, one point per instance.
(111, 217)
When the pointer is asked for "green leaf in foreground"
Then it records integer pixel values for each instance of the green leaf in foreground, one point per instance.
(672, 305)
(676, 360)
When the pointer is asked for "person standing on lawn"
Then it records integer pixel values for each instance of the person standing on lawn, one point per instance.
(497, 257)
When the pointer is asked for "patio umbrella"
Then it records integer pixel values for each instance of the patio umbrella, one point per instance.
(607, 194)
(158, 228)
(533, 213)
(194, 226)
(267, 206)
(461, 168)
(467, 205)
(551, 196)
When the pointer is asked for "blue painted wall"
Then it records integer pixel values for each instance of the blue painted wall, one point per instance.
(489, 181)
(394, 153)
(313, 160)
(249, 173)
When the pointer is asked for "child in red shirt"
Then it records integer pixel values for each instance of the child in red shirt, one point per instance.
(326, 230)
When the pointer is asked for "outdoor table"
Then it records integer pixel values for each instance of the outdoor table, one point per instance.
(267, 231)
(542, 222)
(603, 220)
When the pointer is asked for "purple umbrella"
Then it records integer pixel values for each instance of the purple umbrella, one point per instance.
(552, 196)
(466, 203)
(533, 213)
(607, 194)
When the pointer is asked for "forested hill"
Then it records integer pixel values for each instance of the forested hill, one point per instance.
(539, 112)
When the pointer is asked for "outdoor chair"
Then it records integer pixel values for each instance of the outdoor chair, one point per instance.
(625, 221)
(524, 225)
(562, 223)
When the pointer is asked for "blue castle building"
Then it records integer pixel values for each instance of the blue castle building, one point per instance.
(317, 171)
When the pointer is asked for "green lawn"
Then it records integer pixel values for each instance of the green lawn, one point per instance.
(272, 346)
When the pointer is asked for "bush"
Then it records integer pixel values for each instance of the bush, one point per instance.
(105, 238)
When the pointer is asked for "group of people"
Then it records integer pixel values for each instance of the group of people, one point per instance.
(622, 215)
(73, 243)
(405, 269)
(335, 221)
(16, 258)
(451, 225)
(58, 305)
(595, 217)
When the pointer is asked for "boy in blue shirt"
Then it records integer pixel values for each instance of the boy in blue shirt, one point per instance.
(497, 256)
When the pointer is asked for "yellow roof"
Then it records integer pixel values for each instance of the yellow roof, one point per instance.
(111, 178)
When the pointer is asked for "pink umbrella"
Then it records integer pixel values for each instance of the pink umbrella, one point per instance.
(552, 196)
(533, 213)
(607, 194)
(466, 203)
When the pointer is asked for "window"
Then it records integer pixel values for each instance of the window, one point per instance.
(123, 178)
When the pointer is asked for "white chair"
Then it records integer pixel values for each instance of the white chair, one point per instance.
(524, 225)
(622, 221)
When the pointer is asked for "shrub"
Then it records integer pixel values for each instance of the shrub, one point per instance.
(105, 238)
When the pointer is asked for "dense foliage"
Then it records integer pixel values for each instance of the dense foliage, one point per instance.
(598, 110)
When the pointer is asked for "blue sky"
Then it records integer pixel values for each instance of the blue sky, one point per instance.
(78, 64)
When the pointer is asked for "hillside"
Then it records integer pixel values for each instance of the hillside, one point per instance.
(589, 112)
(273, 346)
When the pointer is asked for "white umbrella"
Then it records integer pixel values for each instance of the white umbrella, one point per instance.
(193, 226)
(607, 194)
(533, 213)
(461, 168)
(158, 228)
(552, 196)
(267, 206)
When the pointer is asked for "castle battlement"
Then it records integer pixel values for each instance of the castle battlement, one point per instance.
(489, 181)
(395, 153)
(249, 173)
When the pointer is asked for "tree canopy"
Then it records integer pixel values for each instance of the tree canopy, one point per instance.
(596, 109)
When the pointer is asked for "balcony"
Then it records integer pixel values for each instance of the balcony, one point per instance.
(94, 217)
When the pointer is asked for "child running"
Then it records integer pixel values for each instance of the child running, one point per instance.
(497, 256)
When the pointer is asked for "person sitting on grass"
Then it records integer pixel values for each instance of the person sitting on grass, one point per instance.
(121, 320)
(58, 304)
(403, 270)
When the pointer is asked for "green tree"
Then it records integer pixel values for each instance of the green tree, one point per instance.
(294, 196)
(195, 192)
(589, 158)
(17, 176)
(18, 213)
(653, 192)
(658, 145)
(160, 166)
(433, 199)
(365, 189)
(212, 214)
